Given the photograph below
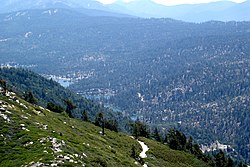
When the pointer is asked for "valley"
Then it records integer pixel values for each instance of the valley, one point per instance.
(164, 72)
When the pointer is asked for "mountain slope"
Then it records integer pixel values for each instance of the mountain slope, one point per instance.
(222, 10)
(34, 136)
(45, 91)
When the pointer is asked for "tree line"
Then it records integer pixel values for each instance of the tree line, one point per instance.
(177, 140)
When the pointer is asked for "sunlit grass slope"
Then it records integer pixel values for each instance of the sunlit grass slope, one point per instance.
(33, 136)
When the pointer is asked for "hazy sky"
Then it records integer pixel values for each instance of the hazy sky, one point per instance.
(174, 2)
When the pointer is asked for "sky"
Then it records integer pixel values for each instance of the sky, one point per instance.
(173, 2)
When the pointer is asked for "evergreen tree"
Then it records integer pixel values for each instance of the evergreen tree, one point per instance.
(99, 121)
(55, 108)
(115, 126)
(182, 140)
(165, 139)
(220, 159)
(176, 140)
(172, 139)
(135, 130)
(189, 145)
(29, 97)
(133, 152)
(85, 116)
(111, 125)
(156, 135)
(230, 162)
(4, 86)
(140, 129)
(197, 151)
(69, 107)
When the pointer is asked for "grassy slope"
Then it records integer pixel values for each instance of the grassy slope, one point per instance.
(38, 144)
(160, 155)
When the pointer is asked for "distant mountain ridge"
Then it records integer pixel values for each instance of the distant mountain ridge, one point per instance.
(87, 7)
(14, 5)
(221, 11)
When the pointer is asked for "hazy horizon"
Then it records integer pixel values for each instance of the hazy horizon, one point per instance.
(172, 2)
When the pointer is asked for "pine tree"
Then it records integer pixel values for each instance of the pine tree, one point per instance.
(172, 139)
(111, 125)
(230, 162)
(189, 145)
(140, 129)
(197, 151)
(99, 121)
(176, 140)
(55, 108)
(4, 86)
(165, 139)
(69, 107)
(29, 97)
(135, 130)
(85, 116)
(133, 152)
(182, 140)
(156, 135)
(220, 159)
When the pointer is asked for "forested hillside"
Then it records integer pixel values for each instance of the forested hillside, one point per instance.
(164, 72)
(48, 91)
